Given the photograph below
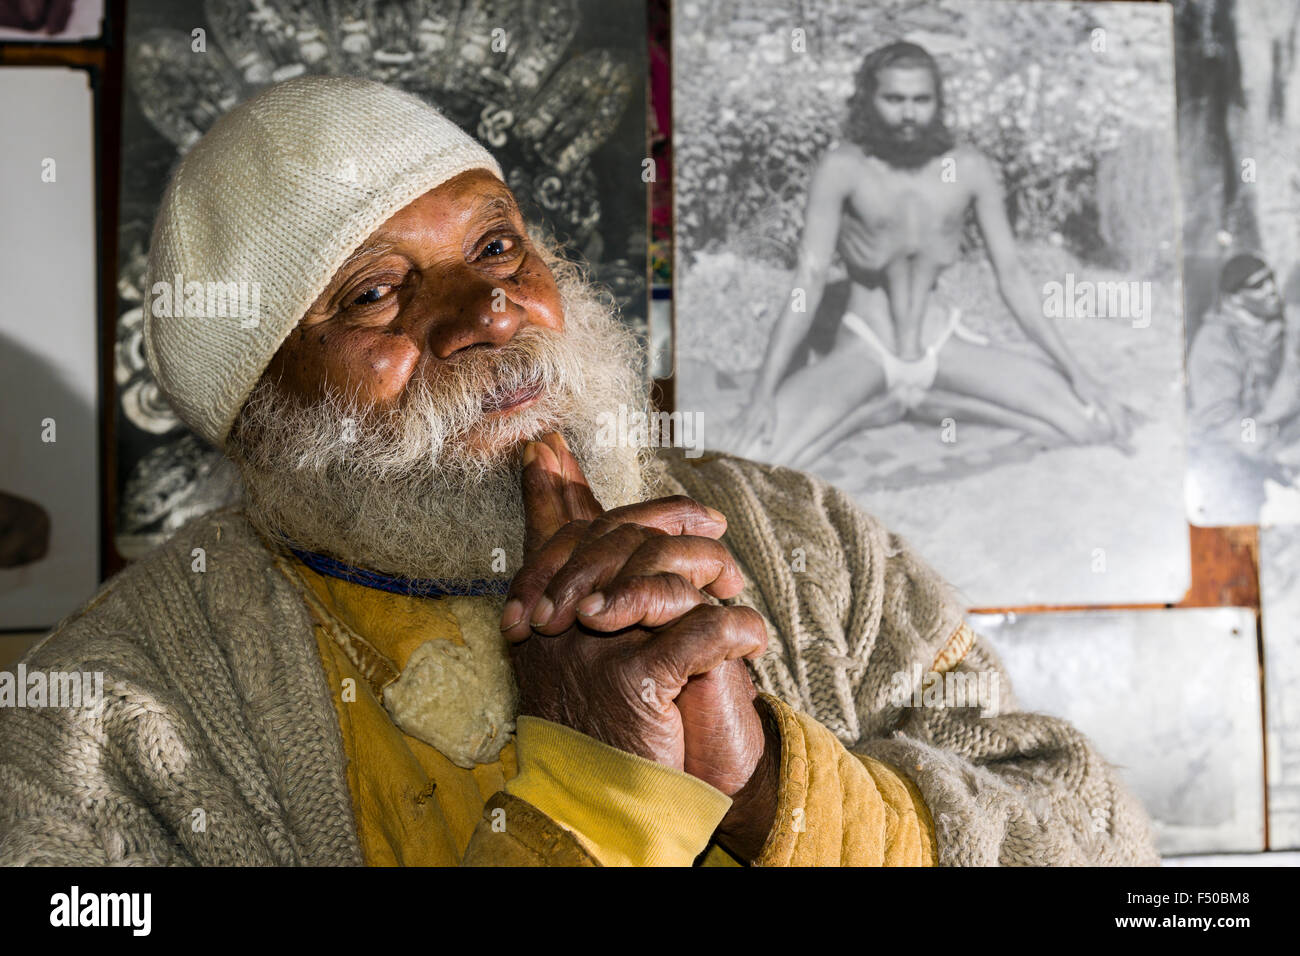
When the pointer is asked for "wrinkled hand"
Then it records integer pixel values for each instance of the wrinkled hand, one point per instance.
(613, 633)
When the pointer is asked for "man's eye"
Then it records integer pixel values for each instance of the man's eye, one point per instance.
(371, 295)
(497, 247)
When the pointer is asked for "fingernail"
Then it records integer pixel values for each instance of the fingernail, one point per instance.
(715, 514)
(511, 613)
(591, 604)
(563, 443)
(544, 611)
(530, 453)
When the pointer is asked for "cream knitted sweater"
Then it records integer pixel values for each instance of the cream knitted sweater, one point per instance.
(218, 742)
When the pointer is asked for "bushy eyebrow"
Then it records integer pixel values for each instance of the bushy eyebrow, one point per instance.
(500, 204)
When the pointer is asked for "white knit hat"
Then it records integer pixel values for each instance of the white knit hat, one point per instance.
(263, 211)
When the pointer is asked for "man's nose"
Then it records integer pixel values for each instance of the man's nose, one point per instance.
(462, 309)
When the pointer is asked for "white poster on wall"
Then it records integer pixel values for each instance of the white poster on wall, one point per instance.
(49, 381)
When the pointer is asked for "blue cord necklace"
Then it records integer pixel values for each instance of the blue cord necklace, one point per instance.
(418, 587)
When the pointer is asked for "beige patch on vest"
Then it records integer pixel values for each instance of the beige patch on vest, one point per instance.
(460, 698)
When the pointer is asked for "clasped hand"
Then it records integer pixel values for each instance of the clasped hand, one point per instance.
(615, 631)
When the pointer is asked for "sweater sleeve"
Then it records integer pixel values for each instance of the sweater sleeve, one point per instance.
(513, 832)
(1011, 788)
(71, 791)
(128, 777)
(1004, 787)
(577, 802)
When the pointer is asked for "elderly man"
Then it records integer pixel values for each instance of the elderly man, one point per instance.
(451, 624)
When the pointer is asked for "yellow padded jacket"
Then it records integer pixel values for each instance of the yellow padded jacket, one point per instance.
(555, 796)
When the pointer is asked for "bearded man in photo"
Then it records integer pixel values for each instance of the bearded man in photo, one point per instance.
(449, 622)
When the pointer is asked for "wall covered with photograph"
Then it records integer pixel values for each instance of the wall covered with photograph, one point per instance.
(555, 88)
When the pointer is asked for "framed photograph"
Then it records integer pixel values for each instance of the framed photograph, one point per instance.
(929, 252)
(556, 89)
(1239, 129)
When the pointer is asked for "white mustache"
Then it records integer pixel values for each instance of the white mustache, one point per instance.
(453, 398)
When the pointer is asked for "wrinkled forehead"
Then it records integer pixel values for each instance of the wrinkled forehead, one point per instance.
(473, 196)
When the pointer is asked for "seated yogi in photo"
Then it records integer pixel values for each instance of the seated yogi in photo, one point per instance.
(452, 619)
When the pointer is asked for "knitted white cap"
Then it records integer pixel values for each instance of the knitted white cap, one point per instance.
(263, 210)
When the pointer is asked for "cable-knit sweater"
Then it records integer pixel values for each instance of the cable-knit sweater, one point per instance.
(217, 742)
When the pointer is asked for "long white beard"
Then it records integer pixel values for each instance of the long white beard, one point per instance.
(402, 492)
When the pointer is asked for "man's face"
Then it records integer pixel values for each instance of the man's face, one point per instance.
(905, 101)
(450, 274)
(1259, 295)
(389, 428)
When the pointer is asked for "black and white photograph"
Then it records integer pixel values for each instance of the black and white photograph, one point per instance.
(1239, 129)
(648, 433)
(556, 89)
(929, 252)
(49, 376)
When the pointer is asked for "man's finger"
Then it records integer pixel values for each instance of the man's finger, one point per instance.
(675, 514)
(630, 551)
(579, 499)
(598, 559)
(648, 600)
(705, 562)
(540, 565)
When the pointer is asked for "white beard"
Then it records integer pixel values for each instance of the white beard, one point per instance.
(402, 493)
